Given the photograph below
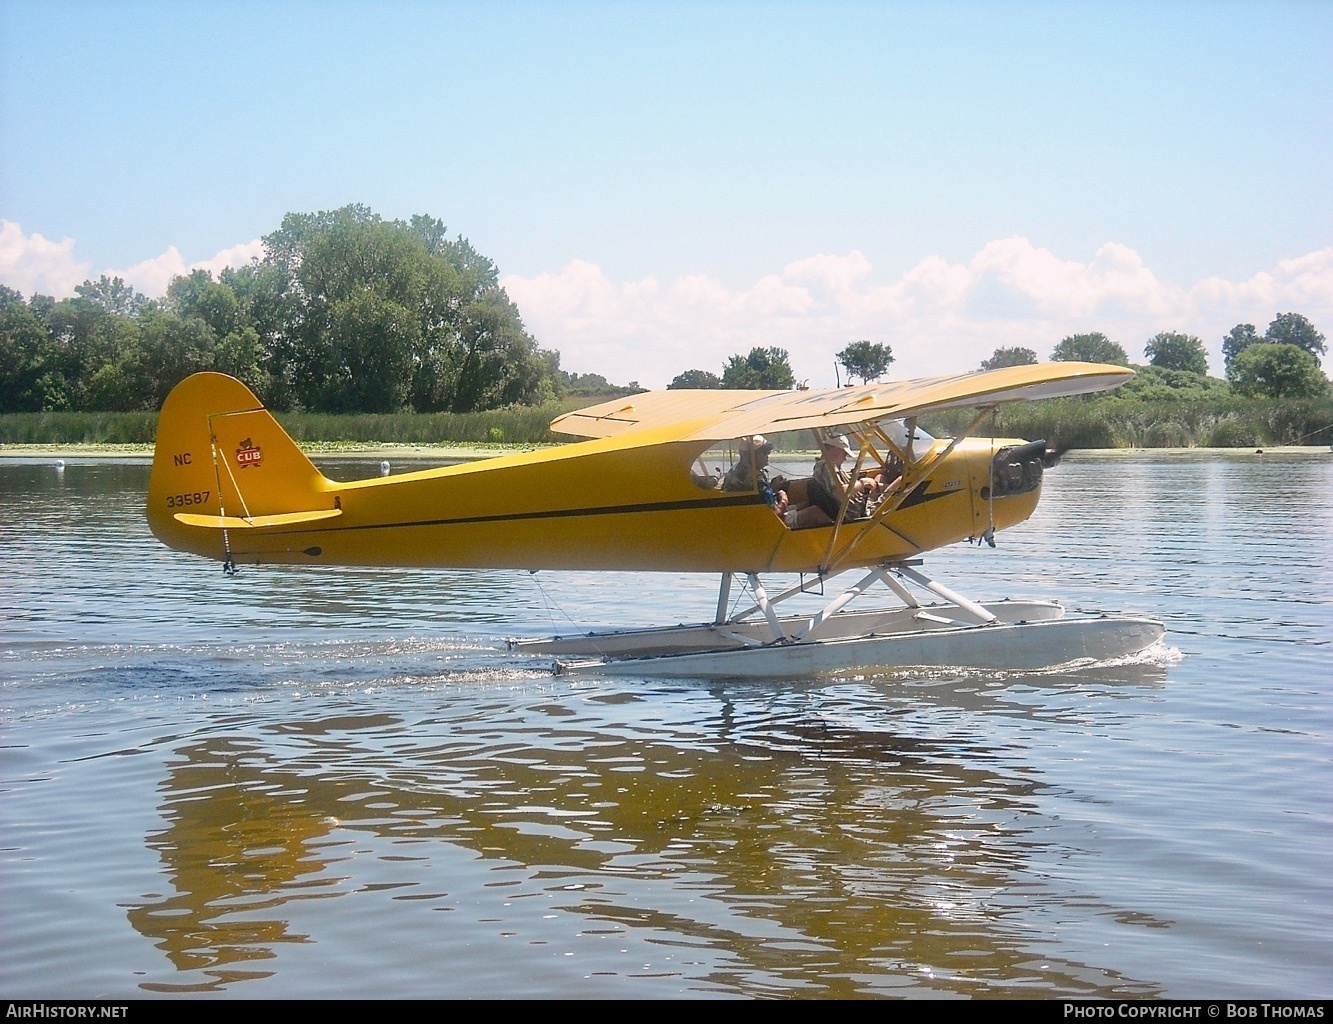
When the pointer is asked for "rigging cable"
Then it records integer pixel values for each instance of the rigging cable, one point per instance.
(551, 606)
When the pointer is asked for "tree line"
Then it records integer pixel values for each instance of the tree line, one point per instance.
(345, 312)
(769, 369)
(1283, 362)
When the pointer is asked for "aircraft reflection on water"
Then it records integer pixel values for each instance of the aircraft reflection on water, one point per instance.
(915, 848)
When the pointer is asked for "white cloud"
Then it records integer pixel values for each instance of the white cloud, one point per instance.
(33, 264)
(151, 277)
(235, 256)
(939, 317)
(1296, 285)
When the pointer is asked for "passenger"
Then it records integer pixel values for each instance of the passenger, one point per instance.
(751, 473)
(830, 485)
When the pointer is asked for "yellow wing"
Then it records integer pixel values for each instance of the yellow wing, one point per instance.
(720, 415)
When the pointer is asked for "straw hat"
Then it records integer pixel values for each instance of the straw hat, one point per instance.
(758, 443)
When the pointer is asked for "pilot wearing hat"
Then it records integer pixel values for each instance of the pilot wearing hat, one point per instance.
(830, 484)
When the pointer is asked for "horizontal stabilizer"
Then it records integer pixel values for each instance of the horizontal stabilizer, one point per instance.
(255, 522)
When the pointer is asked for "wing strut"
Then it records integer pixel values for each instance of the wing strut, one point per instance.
(915, 472)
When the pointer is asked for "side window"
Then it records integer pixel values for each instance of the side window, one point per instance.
(711, 467)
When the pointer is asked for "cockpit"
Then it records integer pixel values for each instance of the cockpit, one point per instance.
(853, 472)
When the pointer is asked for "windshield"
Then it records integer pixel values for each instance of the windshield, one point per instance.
(896, 431)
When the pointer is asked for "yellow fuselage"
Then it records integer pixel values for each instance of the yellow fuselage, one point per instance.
(626, 502)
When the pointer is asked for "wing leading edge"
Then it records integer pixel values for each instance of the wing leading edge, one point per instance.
(720, 415)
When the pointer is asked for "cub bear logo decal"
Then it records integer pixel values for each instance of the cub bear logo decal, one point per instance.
(248, 454)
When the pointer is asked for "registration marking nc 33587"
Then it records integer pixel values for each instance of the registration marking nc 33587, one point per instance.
(184, 500)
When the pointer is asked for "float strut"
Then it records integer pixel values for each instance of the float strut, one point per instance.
(767, 606)
(723, 595)
(814, 626)
(971, 607)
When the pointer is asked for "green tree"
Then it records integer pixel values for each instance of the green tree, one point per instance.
(1156, 384)
(24, 345)
(368, 343)
(696, 379)
(346, 312)
(763, 369)
(866, 360)
(1174, 351)
(1277, 371)
(1009, 357)
(84, 336)
(113, 295)
(154, 353)
(240, 355)
(358, 282)
(585, 384)
(198, 295)
(590, 385)
(427, 321)
(32, 366)
(121, 382)
(1294, 329)
(268, 306)
(236, 344)
(1089, 348)
(1237, 340)
(500, 363)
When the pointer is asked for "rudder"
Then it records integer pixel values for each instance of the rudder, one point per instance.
(220, 458)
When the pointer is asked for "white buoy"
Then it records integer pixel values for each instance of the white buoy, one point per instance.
(60, 465)
(384, 468)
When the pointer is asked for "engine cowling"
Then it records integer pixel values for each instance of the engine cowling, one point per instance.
(1016, 469)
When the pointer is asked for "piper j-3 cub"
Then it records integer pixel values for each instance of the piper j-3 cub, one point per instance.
(644, 491)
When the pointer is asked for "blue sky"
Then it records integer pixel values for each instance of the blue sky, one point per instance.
(665, 184)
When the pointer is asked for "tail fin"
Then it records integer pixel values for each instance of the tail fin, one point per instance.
(222, 462)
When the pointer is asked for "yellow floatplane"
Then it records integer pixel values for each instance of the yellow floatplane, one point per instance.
(675, 481)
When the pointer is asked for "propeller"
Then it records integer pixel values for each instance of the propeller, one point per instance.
(1052, 456)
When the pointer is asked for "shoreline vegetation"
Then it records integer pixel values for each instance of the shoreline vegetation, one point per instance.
(361, 334)
(1077, 423)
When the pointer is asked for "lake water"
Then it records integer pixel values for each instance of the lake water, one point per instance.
(338, 783)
